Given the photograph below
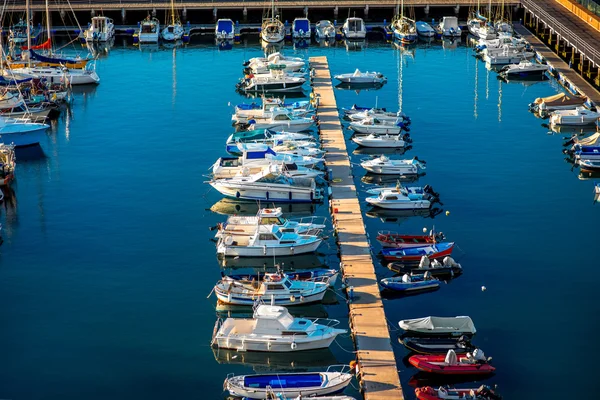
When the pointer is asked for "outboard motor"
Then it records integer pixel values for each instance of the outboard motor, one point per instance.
(246, 63)
(421, 161)
(570, 141)
(406, 137)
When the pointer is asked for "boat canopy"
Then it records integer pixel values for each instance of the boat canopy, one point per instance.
(301, 24)
(5, 82)
(287, 381)
(225, 25)
(35, 56)
(431, 324)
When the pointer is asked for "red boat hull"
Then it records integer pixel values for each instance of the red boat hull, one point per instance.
(429, 393)
(435, 364)
(403, 241)
(417, 258)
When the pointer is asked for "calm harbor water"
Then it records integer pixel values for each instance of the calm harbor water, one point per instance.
(107, 261)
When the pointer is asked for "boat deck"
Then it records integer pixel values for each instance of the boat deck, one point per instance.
(561, 68)
(379, 374)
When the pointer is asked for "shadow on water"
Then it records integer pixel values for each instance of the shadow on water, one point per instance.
(234, 207)
(375, 179)
(261, 362)
(30, 153)
(401, 215)
(267, 264)
(421, 379)
(314, 310)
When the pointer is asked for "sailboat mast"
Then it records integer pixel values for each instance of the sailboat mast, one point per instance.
(490, 11)
(48, 26)
(172, 12)
(27, 16)
(402, 10)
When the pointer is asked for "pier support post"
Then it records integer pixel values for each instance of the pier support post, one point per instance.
(62, 13)
(426, 11)
(552, 39)
(123, 14)
(306, 12)
(154, 12)
(597, 80)
(575, 59)
(456, 9)
(245, 14)
(184, 13)
(92, 13)
(367, 11)
(335, 12)
(215, 11)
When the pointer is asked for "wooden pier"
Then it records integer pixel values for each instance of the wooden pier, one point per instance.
(559, 68)
(377, 364)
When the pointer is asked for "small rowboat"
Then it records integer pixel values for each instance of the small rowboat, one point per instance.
(589, 165)
(396, 240)
(450, 364)
(481, 393)
(408, 283)
(414, 254)
(433, 345)
(448, 267)
(315, 275)
(439, 326)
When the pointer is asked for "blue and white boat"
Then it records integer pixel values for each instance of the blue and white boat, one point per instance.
(21, 132)
(408, 283)
(225, 29)
(329, 276)
(415, 254)
(424, 29)
(405, 29)
(291, 385)
(301, 28)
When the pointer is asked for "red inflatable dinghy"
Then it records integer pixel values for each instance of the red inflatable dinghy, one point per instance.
(450, 364)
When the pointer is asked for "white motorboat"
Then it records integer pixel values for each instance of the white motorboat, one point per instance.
(524, 70)
(272, 29)
(348, 112)
(382, 141)
(503, 27)
(507, 54)
(21, 132)
(424, 29)
(290, 170)
(301, 28)
(8, 164)
(380, 115)
(237, 225)
(261, 65)
(258, 155)
(298, 149)
(439, 326)
(578, 116)
(294, 385)
(449, 27)
(149, 30)
(101, 29)
(481, 29)
(280, 120)
(385, 166)
(9, 100)
(273, 329)
(378, 126)
(401, 199)
(270, 187)
(276, 81)
(244, 111)
(225, 29)
(324, 29)
(277, 289)
(512, 42)
(358, 77)
(268, 137)
(75, 76)
(558, 101)
(354, 28)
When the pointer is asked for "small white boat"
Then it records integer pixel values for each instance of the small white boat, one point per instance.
(281, 119)
(301, 28)
(424, 29)
(225, 29)
(298, 149)
(517, 43)
(439, 326)
(290, 170)
(393, 199)
(21, 132)
(382, 141)
(324, 30)
(237, 225)
(354, 28)
(506, 54)
(268, 137)
(385, 166)
(273, 329)
(378, 126)
(558, 101)
(481, 29)
(358, 77)
(524, 70)
(276, 81)
(291, 386)
(262, 65)
(380, 115)
(272, 29)
(449, 27)
(101, 29)
(269, 186)
(172, 32)
(149, 30)
(277, 289)
(578, 116)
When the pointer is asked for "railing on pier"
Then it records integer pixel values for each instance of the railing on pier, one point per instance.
(565, 33)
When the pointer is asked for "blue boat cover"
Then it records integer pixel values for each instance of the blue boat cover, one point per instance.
(301, 24)
(39, 57)
(4, 81)
(245, 106)
(283, 381)
(259, 154)
(416, 251)
(226, 26)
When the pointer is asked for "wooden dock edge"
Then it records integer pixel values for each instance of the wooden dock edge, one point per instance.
(378, 372)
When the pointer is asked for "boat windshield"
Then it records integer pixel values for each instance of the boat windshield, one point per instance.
(287, 284)
(272, 221)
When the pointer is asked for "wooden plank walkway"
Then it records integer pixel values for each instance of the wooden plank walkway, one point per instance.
(559, 65)
(379, 373)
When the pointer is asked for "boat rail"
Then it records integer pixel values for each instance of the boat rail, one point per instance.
(218, 324)
(387, 233)
(313, 219)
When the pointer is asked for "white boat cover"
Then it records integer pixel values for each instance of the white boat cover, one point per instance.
(460, 324)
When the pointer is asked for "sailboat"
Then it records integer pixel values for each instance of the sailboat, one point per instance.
(173, 31)
(54, 70)
(479, 26)
(405, 29)
(502, 24)
(272, 29)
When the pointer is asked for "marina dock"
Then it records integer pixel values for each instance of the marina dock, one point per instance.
(559, 68)
(377, 365)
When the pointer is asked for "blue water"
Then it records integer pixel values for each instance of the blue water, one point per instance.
(107, 262)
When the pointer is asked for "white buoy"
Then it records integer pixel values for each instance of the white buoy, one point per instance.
(447, 213)
(483, 288)
(425, 230)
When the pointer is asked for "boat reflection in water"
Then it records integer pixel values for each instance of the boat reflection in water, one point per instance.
(376, 179)
(269, 264)
(230, 207)
(570, 130)
(301, 43)
(376, 151)
(100, 49)
(329, 42)
(354, 45)
(314, 310)
(281, 362)
(224, 44)
(358, 87)
(400, 215)
(271, 48)
(450, 44)
(149, 47)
